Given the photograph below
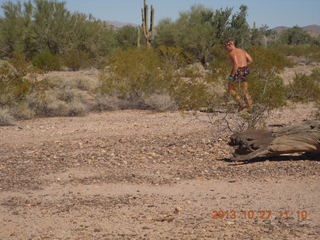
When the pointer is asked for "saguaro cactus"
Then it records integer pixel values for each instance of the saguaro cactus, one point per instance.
(138, 38)
(147, 31)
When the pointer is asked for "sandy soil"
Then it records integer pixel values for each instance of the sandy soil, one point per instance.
(147, 175)
(289, 74)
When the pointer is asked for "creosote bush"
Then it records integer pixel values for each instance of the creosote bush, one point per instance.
(220, 64)
(266, 87)
(76, 59)
(64, 97)
(47, 61)
(138, 74)
(23, 96)
(133, 73)
(16, 82)
(305, 88)
(310, 52)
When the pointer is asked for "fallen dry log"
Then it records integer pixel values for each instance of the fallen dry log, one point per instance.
(301, 138)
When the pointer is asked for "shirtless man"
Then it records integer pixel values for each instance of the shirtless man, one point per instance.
(240, 60)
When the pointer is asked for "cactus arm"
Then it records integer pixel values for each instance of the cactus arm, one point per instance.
(147, 30)
(152, 19)
(143, 22)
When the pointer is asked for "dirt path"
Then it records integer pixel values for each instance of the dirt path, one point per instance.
(145, 175)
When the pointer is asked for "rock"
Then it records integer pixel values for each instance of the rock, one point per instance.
(177, 210)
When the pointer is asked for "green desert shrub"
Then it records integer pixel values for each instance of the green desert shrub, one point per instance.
(173, 57)
(9, 83)
(47, 61)
(186, 82)
(266, 87)
(305, 88)
(289, 50)
(22, 111)
(268, 60)
(132, 73)
(295, 36)
(137, 74)
(310, 51)
(63, 97)
(76, 59)
(190, 94)
(17, 81)
(220, 64)
(315, 55)
(269, 92)
(14, 85)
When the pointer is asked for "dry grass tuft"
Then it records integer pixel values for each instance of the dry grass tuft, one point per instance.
(161, 102)
(6, 119)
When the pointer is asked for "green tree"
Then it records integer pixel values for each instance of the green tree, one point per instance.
(239, 30)
(195, 32)
(51, 20)
(93, 36)
(127, 36)
(46, 25)
(295, 36)
(15, 27)
(198, 30)
(221, 22)
(166, 33)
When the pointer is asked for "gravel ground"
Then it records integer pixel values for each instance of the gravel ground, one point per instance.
(146, 175)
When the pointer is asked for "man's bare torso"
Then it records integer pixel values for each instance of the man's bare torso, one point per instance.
(239, 56)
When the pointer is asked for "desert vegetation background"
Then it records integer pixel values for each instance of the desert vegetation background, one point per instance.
(72, 166)
(184, 69)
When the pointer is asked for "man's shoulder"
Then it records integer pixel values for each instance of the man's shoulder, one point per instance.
(240, 50)
(233, 52)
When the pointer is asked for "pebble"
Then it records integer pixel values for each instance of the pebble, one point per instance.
(177, 210)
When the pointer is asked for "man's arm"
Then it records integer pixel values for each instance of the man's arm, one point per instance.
(235, 64)
(249, 58)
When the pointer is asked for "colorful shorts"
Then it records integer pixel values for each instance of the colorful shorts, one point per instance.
(241, 73)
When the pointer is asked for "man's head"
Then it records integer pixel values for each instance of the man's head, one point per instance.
(229, 45)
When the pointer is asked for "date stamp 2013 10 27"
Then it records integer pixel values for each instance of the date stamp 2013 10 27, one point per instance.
(259, 214)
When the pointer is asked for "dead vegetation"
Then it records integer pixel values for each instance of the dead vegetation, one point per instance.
(299, 138)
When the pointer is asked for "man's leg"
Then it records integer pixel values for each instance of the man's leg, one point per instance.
(233, 93)
(246, 94)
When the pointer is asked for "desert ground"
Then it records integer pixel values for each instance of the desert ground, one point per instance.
(136, 174)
